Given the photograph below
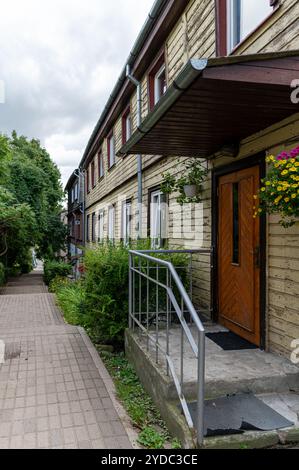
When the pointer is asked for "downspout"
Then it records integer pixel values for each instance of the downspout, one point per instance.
(81, 175)
(139, 158)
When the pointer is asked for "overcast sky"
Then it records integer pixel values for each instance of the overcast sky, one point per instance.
(59, 60)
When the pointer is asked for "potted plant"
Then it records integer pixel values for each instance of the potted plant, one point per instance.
(188, 184)
(280, 191)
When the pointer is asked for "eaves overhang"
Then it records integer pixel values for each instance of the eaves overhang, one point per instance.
(218, 102)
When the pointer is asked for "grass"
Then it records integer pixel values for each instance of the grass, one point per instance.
(153, 433)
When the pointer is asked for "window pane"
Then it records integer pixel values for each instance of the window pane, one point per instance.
(253, 12)
(236, 224)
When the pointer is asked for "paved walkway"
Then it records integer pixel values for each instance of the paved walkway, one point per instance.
(54, 390)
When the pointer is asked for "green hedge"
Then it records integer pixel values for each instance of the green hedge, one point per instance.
(53, 269)
(99, 302)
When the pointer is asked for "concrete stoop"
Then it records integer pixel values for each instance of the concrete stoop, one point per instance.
(161, 389)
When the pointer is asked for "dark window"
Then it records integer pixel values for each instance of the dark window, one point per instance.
(87, 180)
(236, 223)
(93, 180)
(87, 228)
(111, 150)
(100, 165)
(93, 227)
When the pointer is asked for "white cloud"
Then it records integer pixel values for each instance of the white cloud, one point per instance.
(59, 60)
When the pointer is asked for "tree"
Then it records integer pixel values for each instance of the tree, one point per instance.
(30, 201)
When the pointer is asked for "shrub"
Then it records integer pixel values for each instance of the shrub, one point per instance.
(2, 274)
(55, 268)
(71, 300)
(106, 285)
(58, 283)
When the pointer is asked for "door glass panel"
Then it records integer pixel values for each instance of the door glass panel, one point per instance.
(236, 223)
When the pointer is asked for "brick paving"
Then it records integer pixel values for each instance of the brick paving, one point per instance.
(54, 389)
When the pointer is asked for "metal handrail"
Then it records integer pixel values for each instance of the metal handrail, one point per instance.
(198, 349)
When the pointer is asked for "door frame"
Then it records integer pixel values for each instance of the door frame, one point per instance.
(259, 160)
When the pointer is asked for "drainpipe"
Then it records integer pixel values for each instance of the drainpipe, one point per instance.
(139, 158)
(81, 175)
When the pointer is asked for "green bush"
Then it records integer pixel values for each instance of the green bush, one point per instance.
(71, 300)
(2, 274)
(106, 285)
(58, 283)
(55, 268)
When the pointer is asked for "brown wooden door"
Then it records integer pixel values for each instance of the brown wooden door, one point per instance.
(238, 254)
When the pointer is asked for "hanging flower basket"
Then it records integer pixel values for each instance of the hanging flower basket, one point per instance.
(188, 184)
(191, 190)
(280, 191)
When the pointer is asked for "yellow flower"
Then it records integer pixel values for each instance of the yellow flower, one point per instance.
(278, 199)
(284, 172)
(268, 183)
(263, 189)
(279, 188)
(286, 199)
(293, 168)
(294, 196)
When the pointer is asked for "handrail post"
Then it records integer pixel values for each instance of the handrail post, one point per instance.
(201, 387)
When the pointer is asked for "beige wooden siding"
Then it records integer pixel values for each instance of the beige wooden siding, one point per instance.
(194, 36)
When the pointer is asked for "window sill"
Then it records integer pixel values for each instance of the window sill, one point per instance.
(112, 166)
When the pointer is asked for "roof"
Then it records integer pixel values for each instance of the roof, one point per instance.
(172, 9)
(217, 102)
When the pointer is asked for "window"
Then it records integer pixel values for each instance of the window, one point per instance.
(101, 227)
(111, 150)
(236, 223)
(87, 180)
(126, 126)
(87, 228)
(100, 165)
(93, 228)
(72, 195)
(158, 219)
(236, 19)
(111, 222)
(76, 194)
(126, 222)
(157, 82)
(93, 180)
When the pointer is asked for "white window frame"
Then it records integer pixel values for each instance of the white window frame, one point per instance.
(101, 165)
(128, 121)
(126, 222)
(76, 191)
(158, 219)
(111, 223)
(157, 87)
(101, 226)
(234, 30)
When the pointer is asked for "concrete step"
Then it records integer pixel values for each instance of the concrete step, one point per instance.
(227, 372)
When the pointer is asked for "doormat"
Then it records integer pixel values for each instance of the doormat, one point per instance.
(236, 414)
(229, 341)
